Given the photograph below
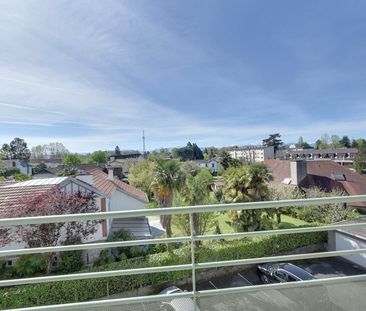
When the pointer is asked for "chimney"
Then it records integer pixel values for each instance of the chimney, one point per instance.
(298, 172)
(110, 173)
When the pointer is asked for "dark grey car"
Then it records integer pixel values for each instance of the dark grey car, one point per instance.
(282, 272)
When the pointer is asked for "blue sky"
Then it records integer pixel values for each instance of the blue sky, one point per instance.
(93, 74)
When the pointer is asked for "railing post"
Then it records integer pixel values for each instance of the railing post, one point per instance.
(193, 260)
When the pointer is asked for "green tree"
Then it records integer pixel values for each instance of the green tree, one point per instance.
(117, 151)
(327, 213)
(141, 175)
(317, 144)
(284, 192)
(334, 142)
(17, 150)
(72, 159)
(359, 162)
(5, 152)
(196, 192)
(190, 168)
(324, 142)
(345, 142)
(99, 157)
(227, 161)
(302, 144)
(168, 178)
(245, 184)
(273, 140)
(197, 152)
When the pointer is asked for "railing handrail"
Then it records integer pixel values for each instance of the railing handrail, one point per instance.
(204, 293)
(193, 266)
(6, 222)
(182, 239)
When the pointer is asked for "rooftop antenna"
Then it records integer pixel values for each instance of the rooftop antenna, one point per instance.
(143, 144)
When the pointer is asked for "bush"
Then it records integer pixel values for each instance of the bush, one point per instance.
(326, 213)
(81, 290)
(29, 265)
(72, 261)
(21, 177)
(6, 172)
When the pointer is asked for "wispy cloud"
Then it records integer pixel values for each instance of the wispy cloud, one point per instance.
(93, 74)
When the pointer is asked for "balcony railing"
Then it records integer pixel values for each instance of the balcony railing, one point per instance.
(238, 298)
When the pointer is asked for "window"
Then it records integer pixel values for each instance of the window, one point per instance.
(281, 276)
(291, 279)
(9, 263)
(54, 261)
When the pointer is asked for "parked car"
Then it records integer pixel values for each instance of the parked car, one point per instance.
(177, 304)
(282, 272)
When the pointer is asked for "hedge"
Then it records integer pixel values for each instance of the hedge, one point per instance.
(82, 290)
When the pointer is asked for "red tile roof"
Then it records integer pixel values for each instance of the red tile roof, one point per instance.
(9, 196)
(319, 173)
(107, 186)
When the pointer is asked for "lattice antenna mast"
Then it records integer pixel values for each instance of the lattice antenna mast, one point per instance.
(143, 144)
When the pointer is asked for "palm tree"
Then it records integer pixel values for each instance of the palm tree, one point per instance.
(168, 177)
(245, 184)
(196, 192)
(259, 179)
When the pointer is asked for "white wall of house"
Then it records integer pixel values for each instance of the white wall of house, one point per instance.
(121, 201)
(346, 242)
(213, 166)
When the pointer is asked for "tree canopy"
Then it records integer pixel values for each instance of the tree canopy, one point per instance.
(17, 149)
(189, 152)
(245, 184)
(53, 150)
(99, 157)
(168, 177)
(273, 141)
(72, 159)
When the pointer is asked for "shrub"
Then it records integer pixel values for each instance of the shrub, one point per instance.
(29, 265)
(6, 172)
(72, 261)
(21, 177)
(326, 213)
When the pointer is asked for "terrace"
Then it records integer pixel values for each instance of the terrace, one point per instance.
(332, 293)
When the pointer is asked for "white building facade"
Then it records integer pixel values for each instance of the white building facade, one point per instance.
(252, 154)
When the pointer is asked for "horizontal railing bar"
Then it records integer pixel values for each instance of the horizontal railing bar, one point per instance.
(93, 275)
(258, 260)
(104, 245)
(276, 232)
(204, 293)
(284, 285)
(206, 265)
(178, 210)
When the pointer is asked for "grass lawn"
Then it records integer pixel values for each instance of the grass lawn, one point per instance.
(287, 222)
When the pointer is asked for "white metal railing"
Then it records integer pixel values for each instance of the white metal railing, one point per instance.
(193, 266)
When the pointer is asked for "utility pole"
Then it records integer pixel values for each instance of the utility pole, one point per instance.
(143, 144)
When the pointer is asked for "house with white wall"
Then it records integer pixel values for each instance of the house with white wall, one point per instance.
(213, 165)
(121, 196)
(111, 195)
(11, 194)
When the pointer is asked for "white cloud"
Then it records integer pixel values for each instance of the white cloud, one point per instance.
(72, 72)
